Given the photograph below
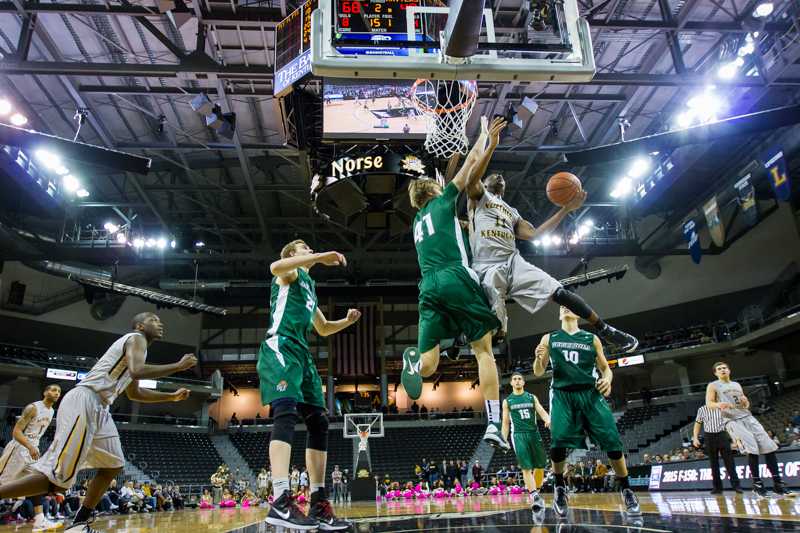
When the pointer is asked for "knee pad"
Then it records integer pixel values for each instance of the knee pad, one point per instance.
(558, 455)
(284, 416)
(317, 424)
(615, 456)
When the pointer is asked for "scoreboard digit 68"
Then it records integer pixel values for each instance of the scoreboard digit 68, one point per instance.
(374, 16)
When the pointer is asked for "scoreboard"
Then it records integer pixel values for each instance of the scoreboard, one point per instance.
(293, 46)
(374, 16)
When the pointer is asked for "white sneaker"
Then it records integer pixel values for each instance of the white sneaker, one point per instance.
(47, 525)
(495, 438)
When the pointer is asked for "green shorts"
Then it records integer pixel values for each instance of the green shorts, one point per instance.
(529, 449)
(451, 302)
(287, 370)
(576, 414)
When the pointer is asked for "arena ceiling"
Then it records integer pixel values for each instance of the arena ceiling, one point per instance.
(135, 70)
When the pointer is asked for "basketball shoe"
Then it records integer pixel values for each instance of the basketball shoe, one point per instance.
(624, 341)
(494, 438)
(322, 511)
(285, 512)
(410, 376)
(537, 502)
(631, 502)
(42, 523)
(561, 502)
(779, 488)
(759, 489)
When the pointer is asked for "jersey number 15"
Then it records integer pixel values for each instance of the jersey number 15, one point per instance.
(418, 230)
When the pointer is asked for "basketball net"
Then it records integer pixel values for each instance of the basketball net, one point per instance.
(446, 106)
(363, 435)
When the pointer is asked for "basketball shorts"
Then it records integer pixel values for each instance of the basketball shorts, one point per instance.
(517, 279)
(86, 437)
(13, 461)
(750, 436)
(452, 302)
(529, 449)
(287, 370)
(577, 414)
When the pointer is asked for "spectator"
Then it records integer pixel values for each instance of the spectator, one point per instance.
(580, 477)
(646, 459)
(796, 418)
(433, 473)
(346, 485)
(599, 476)
(462, 470)
(336, 480)
(414, 408)
(452, 474)
(294, 480)
(258, 419)
(176, 497)
(477, 471)
(304, 482)
(234, 421)
(126, 496)
(647, 396)
(773, 437)
(423, 412)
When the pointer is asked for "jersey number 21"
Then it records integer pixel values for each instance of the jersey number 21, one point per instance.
(419, 234)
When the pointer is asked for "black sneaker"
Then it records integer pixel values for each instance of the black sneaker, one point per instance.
(285, 512)
(322, 511)
(537, 502)
(779, 488)
(561, 502)
(631, 503)
(759, 489)
(737, 489)
(625, 342)
(716, 491)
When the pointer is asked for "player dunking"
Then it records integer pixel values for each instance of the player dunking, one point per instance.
(86, 436)
(519, 417)
(291, 385)
(451, 300)
(494, 226)
(747, 432)
(577, 407)
(23, 450)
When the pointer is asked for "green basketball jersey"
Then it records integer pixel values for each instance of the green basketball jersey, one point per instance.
(573, 360)
(522, 411)
(292, 308)
(438, 236)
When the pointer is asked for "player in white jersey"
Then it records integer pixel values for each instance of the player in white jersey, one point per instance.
(494, 226)
(24, 447)
(86, 436)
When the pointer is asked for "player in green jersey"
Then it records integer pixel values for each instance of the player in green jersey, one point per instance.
(291, 385)
(519, 418)
(451, 300)
(577, 406)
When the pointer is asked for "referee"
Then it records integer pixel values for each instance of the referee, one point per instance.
(717, 441)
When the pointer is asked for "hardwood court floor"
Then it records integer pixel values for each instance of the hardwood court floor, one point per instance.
(663, 512)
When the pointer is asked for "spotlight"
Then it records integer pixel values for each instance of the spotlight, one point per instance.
(639, 167)
(121, 238)
(685, 119)
(82, 193)
(728, 70)
(138, 243)
(19, 120)
(161, 243)
(747, 48)
(574, 238)
(172, 244)
(62, 170)
(199, 244)
(583, 231)
(150, 243)
(71, 183)
(764, 9)
(48, 159)
(537, 242)
(547, 240)
(5, 107)
(589, 223)
(556, 240)
(202, 104)
(111, 228)
(623, 188)
(225, 124)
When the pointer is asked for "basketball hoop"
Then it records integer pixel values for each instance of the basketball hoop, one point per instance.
(446, 106)
(363, 436)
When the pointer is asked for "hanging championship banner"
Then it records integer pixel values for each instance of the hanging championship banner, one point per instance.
(775, 164)
(690, 234)
(715, 226)
(747, 200)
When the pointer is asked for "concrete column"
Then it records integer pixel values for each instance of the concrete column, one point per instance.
(330, 395)
(682, 373)
(134, 412)
(203, 416)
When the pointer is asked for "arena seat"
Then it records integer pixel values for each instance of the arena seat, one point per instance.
(185, 458)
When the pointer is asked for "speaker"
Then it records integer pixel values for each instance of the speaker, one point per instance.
(16, 294)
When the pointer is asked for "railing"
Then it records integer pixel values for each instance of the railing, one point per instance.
(387, 417)
(693, 389)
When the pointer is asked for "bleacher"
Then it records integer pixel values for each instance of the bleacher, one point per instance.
(783, 410)
(641, 426)
(166, 456)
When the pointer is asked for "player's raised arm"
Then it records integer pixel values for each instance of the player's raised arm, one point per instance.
(138, 394)
(604, 383)
(19, 430)
(542, 356)
(326, 327)
(542, 412)
(475, 189)
(464, 176)
(527, 232)
(286, 268)
(506, 426)
(135, 350)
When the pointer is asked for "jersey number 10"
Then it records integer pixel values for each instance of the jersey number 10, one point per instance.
(572, 356)
(418, 231)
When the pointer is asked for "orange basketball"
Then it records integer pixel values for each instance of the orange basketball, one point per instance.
(562, 188)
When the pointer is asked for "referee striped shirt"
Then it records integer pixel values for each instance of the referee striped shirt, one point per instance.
(711, 419)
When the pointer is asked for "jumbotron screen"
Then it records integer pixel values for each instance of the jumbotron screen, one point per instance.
(370, 110)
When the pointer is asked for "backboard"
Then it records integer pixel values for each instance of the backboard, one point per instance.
(405, 39)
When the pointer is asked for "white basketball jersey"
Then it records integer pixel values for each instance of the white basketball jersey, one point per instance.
(39, 423)
(110, 376)
(491, 229)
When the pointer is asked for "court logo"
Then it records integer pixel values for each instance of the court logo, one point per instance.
(413, 163)
(282, 385)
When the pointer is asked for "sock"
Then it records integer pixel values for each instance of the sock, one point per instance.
(493, 411)
(38, 519)
(624, 483)
(279, 486)
(772, 465)
(752, 459)
(83, 514)
(560, 480)
(318, 492)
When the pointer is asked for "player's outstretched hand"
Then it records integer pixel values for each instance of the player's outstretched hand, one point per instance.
(332, 259)
(187, 361)
(696, 443)
(494, 131)
(353, 315)
(541, 351)
(180, 395)
(604, 386)
(577, 201)
(34, 452)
